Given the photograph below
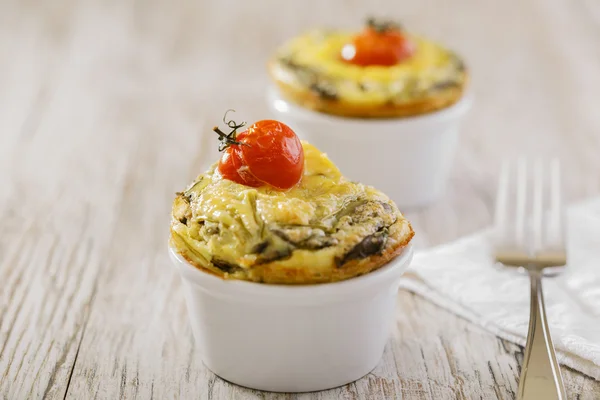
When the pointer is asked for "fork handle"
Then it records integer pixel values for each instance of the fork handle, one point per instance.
(540, 373)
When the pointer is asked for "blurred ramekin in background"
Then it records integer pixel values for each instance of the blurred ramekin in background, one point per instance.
(408, 158)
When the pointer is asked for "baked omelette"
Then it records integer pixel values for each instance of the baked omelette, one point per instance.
(322, 228)
(381, 72)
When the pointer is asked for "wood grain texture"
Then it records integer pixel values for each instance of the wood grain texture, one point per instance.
(106, 110)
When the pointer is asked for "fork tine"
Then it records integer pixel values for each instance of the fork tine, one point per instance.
(555, 229)
(520, 225)
(537, 225)
(501, 211)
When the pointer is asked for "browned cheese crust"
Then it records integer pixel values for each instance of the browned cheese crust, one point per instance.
(275, 273)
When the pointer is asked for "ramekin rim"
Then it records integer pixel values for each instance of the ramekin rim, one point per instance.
(394, 268)
(298, 112)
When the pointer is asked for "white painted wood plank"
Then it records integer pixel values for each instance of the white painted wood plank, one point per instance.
(104, 111)
(56, 210)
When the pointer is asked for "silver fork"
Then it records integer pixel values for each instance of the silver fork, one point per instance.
(529, 233)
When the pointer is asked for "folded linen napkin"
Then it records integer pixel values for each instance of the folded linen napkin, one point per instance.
(461, 277)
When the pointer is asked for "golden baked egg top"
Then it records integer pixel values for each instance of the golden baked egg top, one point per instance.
(323, 229)
(311, 70)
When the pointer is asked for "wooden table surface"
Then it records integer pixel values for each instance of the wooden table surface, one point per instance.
(105, 111)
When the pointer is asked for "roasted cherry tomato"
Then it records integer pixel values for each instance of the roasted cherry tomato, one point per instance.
(381, 43)
(269, 152)
(232, 168)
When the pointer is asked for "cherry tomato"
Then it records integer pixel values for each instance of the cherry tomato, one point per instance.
(269, 152)
(374, 47)
(231, 167)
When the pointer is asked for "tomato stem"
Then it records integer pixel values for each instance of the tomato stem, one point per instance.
(228, 139)
(231, 123)
(382, 26)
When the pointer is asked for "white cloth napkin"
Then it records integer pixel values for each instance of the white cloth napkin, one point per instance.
(462, 278)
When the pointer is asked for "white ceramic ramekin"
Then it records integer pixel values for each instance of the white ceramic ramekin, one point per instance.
(292, 338)
(406, 158)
